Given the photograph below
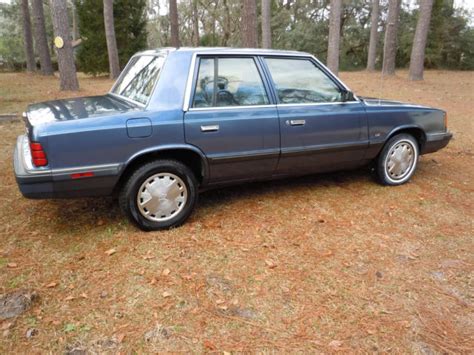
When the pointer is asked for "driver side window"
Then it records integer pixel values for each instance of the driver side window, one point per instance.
(299, 81)
(229, 82)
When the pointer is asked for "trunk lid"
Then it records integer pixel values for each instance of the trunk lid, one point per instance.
(75, 109)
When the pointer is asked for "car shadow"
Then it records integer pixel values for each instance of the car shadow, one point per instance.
(221, 195)
(78, 215)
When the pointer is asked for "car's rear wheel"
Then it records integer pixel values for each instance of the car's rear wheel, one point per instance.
(161, 194)
(397, 162)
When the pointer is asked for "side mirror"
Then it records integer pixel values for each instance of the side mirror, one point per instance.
(347, 96)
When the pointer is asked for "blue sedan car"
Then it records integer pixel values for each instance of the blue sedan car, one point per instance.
(181, 120)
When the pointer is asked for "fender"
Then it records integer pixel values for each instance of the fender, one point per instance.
(164, 148)
(404, 128)
(375, 145)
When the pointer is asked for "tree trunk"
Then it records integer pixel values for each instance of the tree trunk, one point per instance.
(114, 66)
(195, 23)
(417, 58)
(249, 24)
(174, 23)
(334, 36)
(227, 24)
(374, 24)
(67, 67)
(390, 43)
(75, 21)
(266, 24)
(27, 37)
(41, 40)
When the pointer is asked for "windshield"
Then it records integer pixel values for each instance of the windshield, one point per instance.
(139, 78)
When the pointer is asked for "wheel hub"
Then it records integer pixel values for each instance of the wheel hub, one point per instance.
(400, 160)
(161, 197)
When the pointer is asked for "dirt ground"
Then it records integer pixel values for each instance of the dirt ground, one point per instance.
(322, 263)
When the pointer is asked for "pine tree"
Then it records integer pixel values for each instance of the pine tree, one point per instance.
(390, 43)
(266, 24)
(374, 24)
(28, 37)
(130, 33)
(67, 67)
(110, 39)
(417, 58)
(174, 23)
(334, 36)
(249, 24)
(41, 40)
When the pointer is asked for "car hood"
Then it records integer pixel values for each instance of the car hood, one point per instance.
(76, 108)
(372, 101)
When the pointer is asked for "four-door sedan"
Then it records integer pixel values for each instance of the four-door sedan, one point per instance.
(177, 121)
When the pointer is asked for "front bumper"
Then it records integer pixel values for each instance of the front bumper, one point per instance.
(33, 182)
(436, 141)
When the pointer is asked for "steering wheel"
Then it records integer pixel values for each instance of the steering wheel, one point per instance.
(226, 95)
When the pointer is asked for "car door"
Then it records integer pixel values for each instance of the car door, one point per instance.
(319, 130)
(232, 119)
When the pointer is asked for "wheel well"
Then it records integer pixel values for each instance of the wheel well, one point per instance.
(417, 133)
(189, 158)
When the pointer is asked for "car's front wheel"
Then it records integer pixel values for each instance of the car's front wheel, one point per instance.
(398, 160)
(161, 194)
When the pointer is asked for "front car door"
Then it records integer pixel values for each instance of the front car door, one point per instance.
(231, 118)
(319, 130)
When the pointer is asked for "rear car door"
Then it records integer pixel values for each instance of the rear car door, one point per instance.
(319, 130)
(231, 118)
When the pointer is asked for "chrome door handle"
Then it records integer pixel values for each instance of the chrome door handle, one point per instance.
(297, 122)
(210, 128)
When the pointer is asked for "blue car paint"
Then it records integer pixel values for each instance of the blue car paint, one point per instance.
(105, 134)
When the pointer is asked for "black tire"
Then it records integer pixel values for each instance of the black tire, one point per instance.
(128, 197)
(385, 177)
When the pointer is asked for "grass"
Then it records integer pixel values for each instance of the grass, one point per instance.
(359, 267)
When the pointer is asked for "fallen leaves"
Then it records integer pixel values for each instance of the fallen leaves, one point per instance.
(148, 256)
(51, 284)
(120, 338)
(270, 263)
(209, 345)
(166, 272)
(166, 294)
(12, 265)
(335, 344)
(111, 251)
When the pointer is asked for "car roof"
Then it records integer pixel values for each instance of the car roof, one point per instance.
(224, 50)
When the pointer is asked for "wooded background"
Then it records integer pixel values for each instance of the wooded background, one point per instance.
(101, 35)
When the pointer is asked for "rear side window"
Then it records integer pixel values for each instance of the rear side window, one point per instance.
(299, 81)
(225, 82)
(139, 78)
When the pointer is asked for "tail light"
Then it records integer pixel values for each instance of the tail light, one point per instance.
(38, 156)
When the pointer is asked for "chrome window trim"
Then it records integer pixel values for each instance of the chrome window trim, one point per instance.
(219, 108)
(192, 68)
(319, 103)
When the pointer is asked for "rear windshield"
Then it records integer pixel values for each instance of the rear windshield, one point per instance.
(138, 80)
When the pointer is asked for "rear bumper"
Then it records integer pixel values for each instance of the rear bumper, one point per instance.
(436, 141)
